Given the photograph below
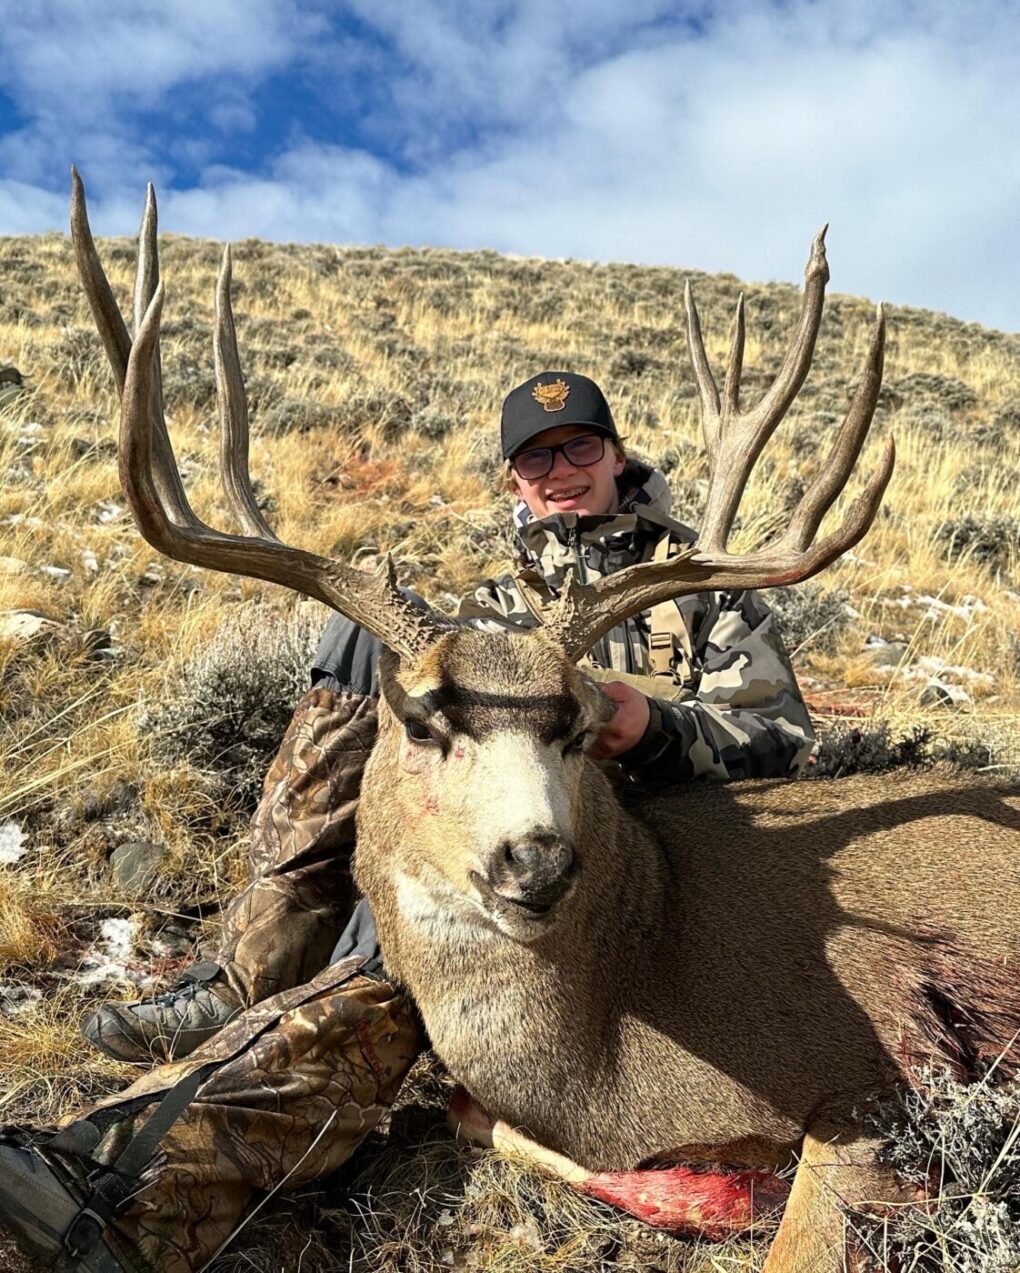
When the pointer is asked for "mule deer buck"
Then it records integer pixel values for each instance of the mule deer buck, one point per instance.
(720, 975)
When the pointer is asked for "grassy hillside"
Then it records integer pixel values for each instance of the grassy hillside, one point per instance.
(144, 703)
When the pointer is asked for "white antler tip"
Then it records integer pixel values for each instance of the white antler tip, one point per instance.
(817, 264)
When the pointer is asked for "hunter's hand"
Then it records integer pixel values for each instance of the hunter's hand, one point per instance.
(628, 724)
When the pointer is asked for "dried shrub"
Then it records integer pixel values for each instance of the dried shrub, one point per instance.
(296, 415)
(945, 391)
(74, 354)
(992, 541)
(852, 749)
(188, 379)
(1007, 418)
(1001, 428)
(631, 362)
(811, 616)
(846, 749)
(228, 704)
(962, 1142)
(432, 423)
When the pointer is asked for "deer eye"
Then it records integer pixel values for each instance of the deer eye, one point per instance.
(576, 744)
(418, 732)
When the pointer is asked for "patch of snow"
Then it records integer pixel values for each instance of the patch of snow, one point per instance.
(12, 840)
(59, 573)
(114, 947)
(17, 999)
(931, 667)
(110, 511)
(934, 607)
(30, 433)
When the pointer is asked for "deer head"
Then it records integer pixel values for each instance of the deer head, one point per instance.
(465, 714)
(481, 753)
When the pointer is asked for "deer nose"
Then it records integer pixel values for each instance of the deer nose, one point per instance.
(535, 869)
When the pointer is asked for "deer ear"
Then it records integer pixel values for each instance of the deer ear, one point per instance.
(390, 689)
(598, 704)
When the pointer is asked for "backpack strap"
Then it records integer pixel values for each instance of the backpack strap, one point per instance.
(667, 627)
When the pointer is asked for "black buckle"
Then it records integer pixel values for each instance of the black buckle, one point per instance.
(83, 1233)
(202, 973)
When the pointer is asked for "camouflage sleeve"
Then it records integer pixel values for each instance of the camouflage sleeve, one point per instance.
(495, 604)
(747, 718)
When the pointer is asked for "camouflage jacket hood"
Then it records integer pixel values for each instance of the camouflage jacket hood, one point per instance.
(549, 546)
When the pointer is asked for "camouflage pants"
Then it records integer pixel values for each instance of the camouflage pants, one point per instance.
(303, 1075)
(301, 1079)
(282, 928)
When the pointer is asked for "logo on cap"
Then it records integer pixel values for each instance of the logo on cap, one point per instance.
(553, 397)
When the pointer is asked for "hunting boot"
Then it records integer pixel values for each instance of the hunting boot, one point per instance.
(159, 1176)
(282, 929)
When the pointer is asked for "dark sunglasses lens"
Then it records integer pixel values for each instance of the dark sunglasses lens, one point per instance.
(586, 450)
(532, 464)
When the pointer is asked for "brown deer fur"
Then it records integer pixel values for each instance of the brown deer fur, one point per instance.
(734, 967)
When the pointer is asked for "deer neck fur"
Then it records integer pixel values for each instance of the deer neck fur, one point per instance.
(533, 1001)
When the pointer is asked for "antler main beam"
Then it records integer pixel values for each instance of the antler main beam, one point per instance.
(734, 440)
(149, 472)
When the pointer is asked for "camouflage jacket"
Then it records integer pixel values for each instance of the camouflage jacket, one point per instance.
(730, 707)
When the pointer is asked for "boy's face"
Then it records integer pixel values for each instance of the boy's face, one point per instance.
(567, 487)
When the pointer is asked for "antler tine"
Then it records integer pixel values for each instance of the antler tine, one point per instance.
(114, 332)
(707, 388)
(371, 600)
(233, 409)
(147, 269)
(105, 313)
(839, 463)
(776, 402)
(743, 435)
(735, 365)
(149, 473)
(586, 612)
(167, 476)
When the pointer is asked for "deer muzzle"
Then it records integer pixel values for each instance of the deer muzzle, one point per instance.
(533, 871)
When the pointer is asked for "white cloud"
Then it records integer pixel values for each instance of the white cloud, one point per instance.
(93, 50)
(657, 134)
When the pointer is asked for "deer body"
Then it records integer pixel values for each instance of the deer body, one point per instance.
(731, 966)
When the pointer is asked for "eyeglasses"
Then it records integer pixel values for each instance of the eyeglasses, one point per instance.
(583, 451)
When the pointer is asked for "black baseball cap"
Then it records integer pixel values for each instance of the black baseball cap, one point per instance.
(549, 399)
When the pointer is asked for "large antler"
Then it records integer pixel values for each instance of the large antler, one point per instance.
(149, 473)
(734, 439)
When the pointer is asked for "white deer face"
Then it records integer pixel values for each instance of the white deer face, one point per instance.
(488, 735)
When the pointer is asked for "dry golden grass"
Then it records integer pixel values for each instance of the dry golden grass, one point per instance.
(375, 379)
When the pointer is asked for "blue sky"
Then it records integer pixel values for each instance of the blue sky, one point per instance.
(711, 135)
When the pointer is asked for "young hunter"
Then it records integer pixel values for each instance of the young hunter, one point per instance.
(296, 1044)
